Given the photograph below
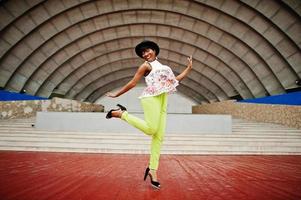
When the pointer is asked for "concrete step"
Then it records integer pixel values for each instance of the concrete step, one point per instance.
(22, 133)
(169, 140)
(235, 128)
(246, 138)
(176, 123)
(294, 135)
(28, 133)
(225, 150)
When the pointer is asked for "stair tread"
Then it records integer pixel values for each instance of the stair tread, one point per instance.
(246, 138)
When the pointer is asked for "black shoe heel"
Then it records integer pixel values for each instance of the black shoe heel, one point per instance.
(146, 173)
(154, 184)
(121, 107)
(109, 114)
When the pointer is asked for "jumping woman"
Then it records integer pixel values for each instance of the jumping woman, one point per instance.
(160, 81)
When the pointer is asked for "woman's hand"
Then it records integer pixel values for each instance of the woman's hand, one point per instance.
(110, 94)
(189, 59)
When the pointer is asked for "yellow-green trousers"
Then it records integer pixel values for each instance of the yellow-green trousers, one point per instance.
(154, 124)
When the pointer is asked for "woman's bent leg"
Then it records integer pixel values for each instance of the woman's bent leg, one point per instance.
(151, 107)
(137, 123)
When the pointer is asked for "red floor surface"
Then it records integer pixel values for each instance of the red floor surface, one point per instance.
(32, 175)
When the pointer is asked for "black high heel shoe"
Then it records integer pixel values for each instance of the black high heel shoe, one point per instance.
(122, 108)
(155, 184)
(109, 114)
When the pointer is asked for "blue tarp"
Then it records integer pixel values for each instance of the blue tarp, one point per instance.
(13, 96)
(293, 98)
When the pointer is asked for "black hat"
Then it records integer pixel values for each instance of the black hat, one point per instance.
(145, 45)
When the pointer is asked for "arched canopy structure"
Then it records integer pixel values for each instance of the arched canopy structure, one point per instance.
(82, 49)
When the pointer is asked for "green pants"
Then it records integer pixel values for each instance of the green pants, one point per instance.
(154, 124)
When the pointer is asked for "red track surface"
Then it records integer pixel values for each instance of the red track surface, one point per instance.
(32, 175)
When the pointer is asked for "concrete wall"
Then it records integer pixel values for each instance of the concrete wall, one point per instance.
(97, 122)
(279, 114)
(24, 109)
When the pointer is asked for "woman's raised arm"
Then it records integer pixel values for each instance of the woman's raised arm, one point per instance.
(132, 83)
(186, 71)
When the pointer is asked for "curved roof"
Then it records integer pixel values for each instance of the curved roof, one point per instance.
(82, 49)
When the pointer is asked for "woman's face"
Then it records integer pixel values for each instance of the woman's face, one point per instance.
(149, 54)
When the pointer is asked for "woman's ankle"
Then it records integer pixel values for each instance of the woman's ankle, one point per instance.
(117, 113)
(154, 174)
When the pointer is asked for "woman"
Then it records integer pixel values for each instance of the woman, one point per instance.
(160, 81)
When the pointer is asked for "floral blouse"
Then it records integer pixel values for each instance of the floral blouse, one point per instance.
(161, 79)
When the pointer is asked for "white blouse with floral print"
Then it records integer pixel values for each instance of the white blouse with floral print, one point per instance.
(160, 79)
